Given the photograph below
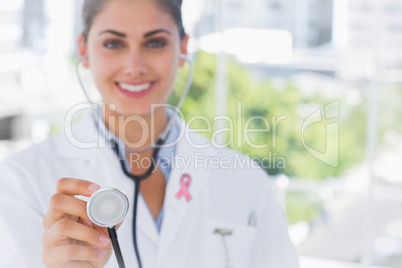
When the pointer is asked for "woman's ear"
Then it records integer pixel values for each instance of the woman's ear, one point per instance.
(83, 51)
(183, 49)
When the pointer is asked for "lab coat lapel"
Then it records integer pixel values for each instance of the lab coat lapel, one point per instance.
(145, 222)
(176, 206)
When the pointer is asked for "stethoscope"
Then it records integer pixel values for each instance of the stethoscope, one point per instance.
(108, 207)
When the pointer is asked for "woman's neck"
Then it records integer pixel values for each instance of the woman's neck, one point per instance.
(137, 132)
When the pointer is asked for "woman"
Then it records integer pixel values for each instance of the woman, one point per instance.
(190, 213)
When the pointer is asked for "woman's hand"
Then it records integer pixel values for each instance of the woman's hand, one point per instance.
(70, 240)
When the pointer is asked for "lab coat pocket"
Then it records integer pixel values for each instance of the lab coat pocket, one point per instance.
(228, 245)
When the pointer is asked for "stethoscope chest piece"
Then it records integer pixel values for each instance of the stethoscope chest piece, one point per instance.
(107, 207)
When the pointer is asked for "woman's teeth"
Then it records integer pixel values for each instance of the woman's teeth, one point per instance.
(134, 88)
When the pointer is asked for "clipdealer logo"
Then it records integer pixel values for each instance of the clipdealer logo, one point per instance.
(326, 118)
(330, 115)
(207, 161)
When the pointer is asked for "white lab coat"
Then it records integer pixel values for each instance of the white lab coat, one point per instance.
(234, 197)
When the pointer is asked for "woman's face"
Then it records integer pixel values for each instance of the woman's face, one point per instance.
(133, 50)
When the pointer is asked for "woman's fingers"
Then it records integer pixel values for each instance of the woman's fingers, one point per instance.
(72, 244)
(71, 186)
(79, 264)
(65, 228)
(61, 205)
(70, 240)
(62, 254)
(64, 202)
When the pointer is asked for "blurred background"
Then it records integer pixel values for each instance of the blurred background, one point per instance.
(321, 78)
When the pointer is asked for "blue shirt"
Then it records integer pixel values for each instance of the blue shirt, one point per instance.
(164, 158)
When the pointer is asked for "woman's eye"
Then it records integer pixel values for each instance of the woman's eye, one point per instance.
(112, 45)
(156, 44)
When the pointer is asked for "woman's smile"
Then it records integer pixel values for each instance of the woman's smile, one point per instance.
(137, 90)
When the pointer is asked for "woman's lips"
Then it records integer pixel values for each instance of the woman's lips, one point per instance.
(135, 91)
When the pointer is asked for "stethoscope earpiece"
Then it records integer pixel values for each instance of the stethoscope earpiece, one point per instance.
(82, 58)
(183, 57)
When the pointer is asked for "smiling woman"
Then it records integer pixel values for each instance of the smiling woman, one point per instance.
(131, 63)
(195, 215)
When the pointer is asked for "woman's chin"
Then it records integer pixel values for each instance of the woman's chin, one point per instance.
(127, 111)
(138, 108)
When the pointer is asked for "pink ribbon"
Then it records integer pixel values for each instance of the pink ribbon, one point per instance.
(185, 182)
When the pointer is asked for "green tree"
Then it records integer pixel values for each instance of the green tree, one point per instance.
(275, 112)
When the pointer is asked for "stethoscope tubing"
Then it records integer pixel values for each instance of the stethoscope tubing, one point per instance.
(135, 240)
(137, 180)
(116, 246)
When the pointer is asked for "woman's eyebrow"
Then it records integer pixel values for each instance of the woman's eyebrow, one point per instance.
(123, 35)
(155, 32)
(113, 32)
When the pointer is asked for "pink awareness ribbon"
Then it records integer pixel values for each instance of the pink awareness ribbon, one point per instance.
(185, 182)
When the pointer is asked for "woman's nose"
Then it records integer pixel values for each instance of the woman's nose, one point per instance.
(135, 64)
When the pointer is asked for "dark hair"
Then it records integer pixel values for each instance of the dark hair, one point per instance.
(92, 8)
